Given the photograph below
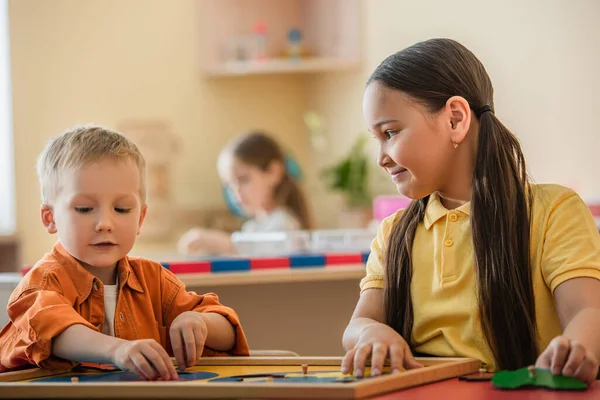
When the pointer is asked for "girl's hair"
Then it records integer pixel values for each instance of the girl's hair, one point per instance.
(260, 150)
(430, 73)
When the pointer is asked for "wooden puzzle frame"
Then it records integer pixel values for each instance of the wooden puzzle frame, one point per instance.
(437, 369)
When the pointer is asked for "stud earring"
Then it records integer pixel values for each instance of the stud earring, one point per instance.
(455, 145)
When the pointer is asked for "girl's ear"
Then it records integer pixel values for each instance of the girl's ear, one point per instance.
(47, 215)
(457, 115)
(276, 171)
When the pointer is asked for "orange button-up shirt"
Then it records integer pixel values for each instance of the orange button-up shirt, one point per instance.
(58, 292)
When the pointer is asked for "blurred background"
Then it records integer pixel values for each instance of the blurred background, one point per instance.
(184, 77)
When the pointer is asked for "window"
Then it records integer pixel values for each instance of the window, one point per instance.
(7, 181)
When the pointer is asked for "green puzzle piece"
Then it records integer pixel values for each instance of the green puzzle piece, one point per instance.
(543, 378)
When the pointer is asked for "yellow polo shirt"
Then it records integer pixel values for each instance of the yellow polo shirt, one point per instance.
(564, 244)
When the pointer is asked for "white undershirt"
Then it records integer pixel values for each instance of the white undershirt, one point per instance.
(111, 293)
(278, 220)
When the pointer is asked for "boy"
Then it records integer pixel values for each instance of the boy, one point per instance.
(87, 301)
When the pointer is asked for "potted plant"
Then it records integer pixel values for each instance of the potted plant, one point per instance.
(350, 177)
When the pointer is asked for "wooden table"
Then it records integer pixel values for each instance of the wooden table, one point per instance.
(454, 389)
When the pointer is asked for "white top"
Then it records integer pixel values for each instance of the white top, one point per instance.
(111, 293)
(279, 220)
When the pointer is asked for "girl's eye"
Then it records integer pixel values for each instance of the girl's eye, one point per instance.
(83, 210)
(122, 210)
(389, 133)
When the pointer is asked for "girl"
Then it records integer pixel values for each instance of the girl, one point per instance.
(482, 263)
(253, 168)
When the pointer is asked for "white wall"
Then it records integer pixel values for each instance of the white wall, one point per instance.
(543, 57)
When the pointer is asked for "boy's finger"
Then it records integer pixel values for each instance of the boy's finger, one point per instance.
(143, 367)
(168, 362)
(200, 340)
(189, 343)
(177, 346)
(159, 360)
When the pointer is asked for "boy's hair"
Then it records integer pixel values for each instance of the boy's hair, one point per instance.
(260, 150)
(430, 73)
(81, 146)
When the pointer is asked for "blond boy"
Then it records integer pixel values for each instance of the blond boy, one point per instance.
(87, 301)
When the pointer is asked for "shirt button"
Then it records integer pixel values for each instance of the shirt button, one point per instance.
(453, 217)
(449, 243)
(95, 285)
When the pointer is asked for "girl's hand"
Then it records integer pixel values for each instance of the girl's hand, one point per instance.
(569, 358)
(207, 240)
(377, 341)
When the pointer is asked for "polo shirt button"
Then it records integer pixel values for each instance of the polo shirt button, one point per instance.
(449, 243)
(453, 217)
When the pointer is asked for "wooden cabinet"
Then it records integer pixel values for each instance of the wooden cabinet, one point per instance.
(9, 254)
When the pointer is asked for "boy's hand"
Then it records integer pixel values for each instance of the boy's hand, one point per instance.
(376, 341)
(146, 358)
(188, 334)
(569, 358)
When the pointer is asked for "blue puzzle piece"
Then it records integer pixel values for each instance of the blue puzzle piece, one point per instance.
(120, 376)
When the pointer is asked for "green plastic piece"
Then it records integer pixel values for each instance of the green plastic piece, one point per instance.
(541, 378)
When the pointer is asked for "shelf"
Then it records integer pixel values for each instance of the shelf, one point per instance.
(330, 33)
(283, 275)
(281, 65)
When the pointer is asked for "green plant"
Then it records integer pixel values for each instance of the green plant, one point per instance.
(350, 176)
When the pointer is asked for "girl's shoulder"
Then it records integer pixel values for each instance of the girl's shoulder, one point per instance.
(546, 197)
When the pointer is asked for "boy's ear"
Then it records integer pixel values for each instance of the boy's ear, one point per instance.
(142, 218)
(48, 218)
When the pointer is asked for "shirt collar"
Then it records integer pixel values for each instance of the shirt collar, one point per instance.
(436, 210)
(84, 280)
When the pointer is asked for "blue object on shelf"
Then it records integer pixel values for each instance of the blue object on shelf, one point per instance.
(365, 257)
(304, 261)
(229, 265)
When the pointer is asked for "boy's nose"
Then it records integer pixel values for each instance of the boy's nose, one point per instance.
(104, 223)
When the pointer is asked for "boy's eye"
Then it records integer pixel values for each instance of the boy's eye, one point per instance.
(83, 210)
(122, 210)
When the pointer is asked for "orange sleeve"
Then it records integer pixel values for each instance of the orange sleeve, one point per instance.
(36, 317)
(177, 300)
